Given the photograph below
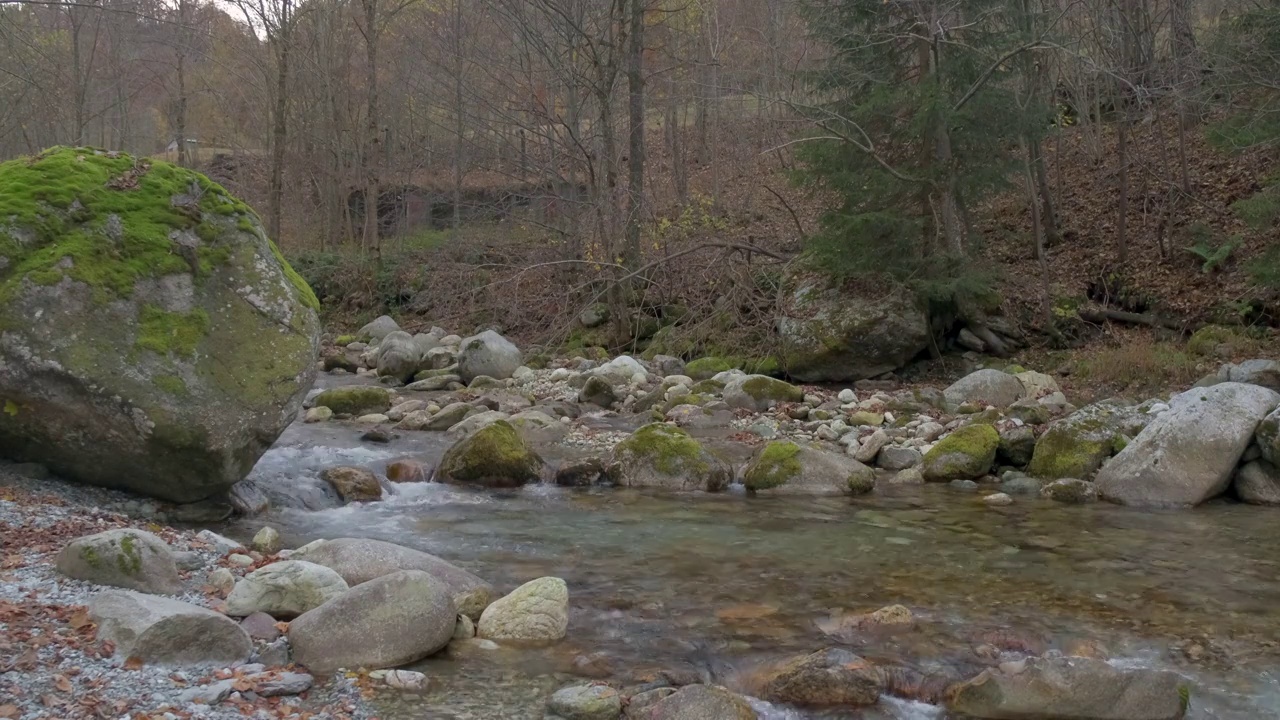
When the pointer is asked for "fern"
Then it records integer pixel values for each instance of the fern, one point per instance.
(1211, 254)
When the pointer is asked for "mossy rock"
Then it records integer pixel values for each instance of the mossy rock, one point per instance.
(783, 467)
(760, 392)
(964, 454)
(708, 367)
(345, 340)
(355, 400)
(493, 456)
(1205, 341)
(664, 456)
(126, 558)
(707, 387)
(173, 342)
(1076, 446)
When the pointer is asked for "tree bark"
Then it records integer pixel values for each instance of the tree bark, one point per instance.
(279, 127)
(635, 150)
(372, 240)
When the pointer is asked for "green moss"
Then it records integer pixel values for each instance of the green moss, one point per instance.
(129, 559)
(171, 384)
(104, 219)
(760, 387)
(495, 456)
(707, 387)
(670, 450)
(344, 340)
(707, 367)
(305, 294)
(966, 453)
(90, 557)
(165, 332)
(777, 464)
(355, 400)
(1207, 339)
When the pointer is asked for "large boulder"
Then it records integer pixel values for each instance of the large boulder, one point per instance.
(1076, 446)
(126, 558)
(163, 631)
(487, 354)
(1071, 688)
(664, 456)
(760, 392)
(834, 333)
(399, 356)
(359, 560)
(830, 677)
(964, 454)
(784, 468)
(537, 611)
(1268, 437)
(355, 400)
(378, 329)
(285, 589)
(1253, 372)
(1187, 454)
(1258, 483)
(698, 702)
(985, 387)
(387, 622)
(493, 456)
(154, 339)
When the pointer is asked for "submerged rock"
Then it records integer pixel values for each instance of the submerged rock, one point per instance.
(127, 558)
(783, 467)
(832, 333)
(664, 456)
(386, 622)
(173, 343)
(830, 677)
(355, 400)
(1072, 491)
(588, 701)
(359, 560)
(964, 454)
(167, 632)
(1258, 483)
(535, 611)
(353, 484)
(493, 456)
(1188, 454)
(1071, 688)
(699, 702)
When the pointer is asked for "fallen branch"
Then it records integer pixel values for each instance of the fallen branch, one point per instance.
(1100, 315)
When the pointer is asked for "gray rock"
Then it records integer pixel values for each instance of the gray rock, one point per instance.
(985, 387)
(1021, 486)
(285, 589)
(589, 701)
(398, 356)
(161, 631)
(1070, 490)
(536, 611)
(359, 560)
(379, 328)
(172, 364)
(826, 678)
(580, 473)
(211, 694)
(188, 560)
(441, 358)
(1188, 454)
(487, 354)
(1072, 688)
(786, 468)
(870, 446)
(1268, 437)
(594, 316)
(665, 456)
(260, 626)
(267, 540)
(393, 620)
(840, 333)
(493, 456)
(597, 391)
(1017, 445)
(220, 543)
(281, 684)
(275, 653)
(222, 580)
(1076, 445)
(247, 498)
(1036, 385)
(447, 417)
(667, 365)
(438, 382)
(997, 499)
(898, 457)
(760, 392)
(909, 476)
(1258, 483)
(1265, 373)
(127, 558)
(470, 424)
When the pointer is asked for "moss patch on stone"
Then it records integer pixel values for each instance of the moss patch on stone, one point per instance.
(777, 464)
(767, 388)
(171, 384)
(169, 332)
(667, 448)
(344, 340)
(355, 400)
(966, 453)
(707, 367)
(495, 455)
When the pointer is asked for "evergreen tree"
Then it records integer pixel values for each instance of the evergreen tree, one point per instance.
(920, 111)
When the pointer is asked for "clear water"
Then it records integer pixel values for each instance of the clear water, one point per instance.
(716, 585)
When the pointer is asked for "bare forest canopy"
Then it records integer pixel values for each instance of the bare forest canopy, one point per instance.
(512, 161)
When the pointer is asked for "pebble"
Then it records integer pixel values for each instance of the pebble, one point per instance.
(222, 580)
(287, 683)
(210, 694)
(847, 396)
(998, 499)
(239, 560)
(407, 680)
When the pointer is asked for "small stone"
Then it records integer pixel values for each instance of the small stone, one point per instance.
(406, 680)
(221, 580)
(318, 414)
(1071, 491)
(847, 396)
(188, 560)
(239, 560)
(267, 541)
(260, 626)
(586, 702)
(998, 499)
(407, 471)
(907, 476)
(464, 629)
(353, 484)
(825, 432)
(964, 484)
(222, 544)
(275, 653)
(282, 684)
(377, 435)
(210, 694)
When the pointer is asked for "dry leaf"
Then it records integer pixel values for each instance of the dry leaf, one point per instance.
(9, 711)
(79, 619)
(133, 663)
(62, 682)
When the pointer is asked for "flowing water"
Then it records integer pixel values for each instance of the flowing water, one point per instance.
(713, 586)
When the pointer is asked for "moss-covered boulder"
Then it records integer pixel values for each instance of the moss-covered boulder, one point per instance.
(355, 400)
(152, 337)
(964, 454)
(493, 456)
(664, 456)
(839, 333)
(760, 392)
(783, 467)
(708, 367)
(127, 558)
(1076, 445)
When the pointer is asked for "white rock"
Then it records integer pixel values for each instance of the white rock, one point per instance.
(847, 396)
(285, 589)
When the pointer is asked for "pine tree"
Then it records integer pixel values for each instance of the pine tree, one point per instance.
(920, 114)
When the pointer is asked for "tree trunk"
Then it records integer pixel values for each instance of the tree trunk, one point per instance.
(372, 240)
(279, 127)
(1122, 221)
(457, 110)
(635, 150)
